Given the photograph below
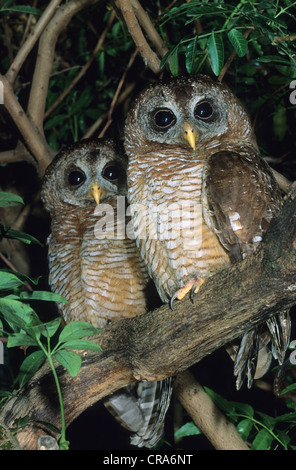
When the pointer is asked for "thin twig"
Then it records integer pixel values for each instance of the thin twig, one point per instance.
(291, 37)
(150, 58)
(31, 41)
(95, 126)
(35, 142)
(232, 56)
(13, 268)
(84, 69)
(115, 98)
(28, 23)
(45, 57)
(209, 419)
(148, 27)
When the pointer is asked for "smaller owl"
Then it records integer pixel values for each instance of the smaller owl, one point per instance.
(96, 267)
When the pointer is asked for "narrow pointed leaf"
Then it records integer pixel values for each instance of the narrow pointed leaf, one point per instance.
(30, 365)
(238, 41)
(81, 344)
(9, 199)
(43, 295)
(190, 54)
(188, 429)
(9, 280)
(262, 440)
(215, 50)
(77, 330)
(20, 339)
(69, 360)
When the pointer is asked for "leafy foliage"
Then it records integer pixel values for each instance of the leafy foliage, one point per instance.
(261, 431)
(20, 324)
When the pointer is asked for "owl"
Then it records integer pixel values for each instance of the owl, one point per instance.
(201, 196)
(96, 266)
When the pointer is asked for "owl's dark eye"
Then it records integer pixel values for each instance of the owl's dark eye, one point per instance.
(112, 172)
(76, 177)
(203, 110)
(164, 118)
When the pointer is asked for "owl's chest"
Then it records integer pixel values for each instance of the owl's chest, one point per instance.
(170, 228)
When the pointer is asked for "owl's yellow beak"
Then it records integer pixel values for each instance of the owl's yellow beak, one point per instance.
(189, 134)
(96, 192)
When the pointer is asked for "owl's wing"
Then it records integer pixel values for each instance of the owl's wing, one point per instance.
(141, 408)
(240, 196)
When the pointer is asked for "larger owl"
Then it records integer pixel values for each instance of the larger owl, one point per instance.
(96, 267)
(201, 195)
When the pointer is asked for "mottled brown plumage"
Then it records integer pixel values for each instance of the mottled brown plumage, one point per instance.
(96, 267)
(201, 195)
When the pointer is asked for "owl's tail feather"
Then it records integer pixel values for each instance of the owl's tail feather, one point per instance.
(124, 407)
(246, 359)
(253, 358)
(280, 329)
(141, 408)
(154, 400)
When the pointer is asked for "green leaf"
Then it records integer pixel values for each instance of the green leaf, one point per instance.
(23, 9)
(69, 360)
(267, 420)
(190, 54)
(18, 235)
(172, 58)
(46, 329)
(244, 427)
(51, 327)
(20, 339)
(262, 441)
(30, 365)
(215, 50)
(238, 41)
(77, 330)
(188, 429)
(17, 314)
(81, 344)
(222, 403)
(55, 121)
(9, 280)
(9, 199)
(280, 125)
(43, 295)
(269, 59)
(21, 276)
(174, 62)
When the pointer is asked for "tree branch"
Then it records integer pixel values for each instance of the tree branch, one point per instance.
(34, 140)
(31, 41)
(221, 433)
(228, 304)
(149, 28)
(86, 66)
(44, 62)
(150, 58)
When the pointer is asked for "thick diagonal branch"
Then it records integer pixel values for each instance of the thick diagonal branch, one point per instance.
(164, 343)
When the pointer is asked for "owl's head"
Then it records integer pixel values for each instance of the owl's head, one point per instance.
(187, 111)
(84, 174)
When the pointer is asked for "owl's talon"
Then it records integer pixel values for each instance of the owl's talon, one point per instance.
(192, 292)
(191, 286)
(175, 296)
